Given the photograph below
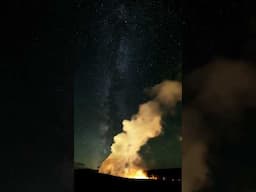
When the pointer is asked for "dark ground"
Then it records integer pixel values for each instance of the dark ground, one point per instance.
(89, 179)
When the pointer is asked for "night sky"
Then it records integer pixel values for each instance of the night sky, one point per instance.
(124, 47)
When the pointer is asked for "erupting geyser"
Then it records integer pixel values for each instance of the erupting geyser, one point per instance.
(124, 160)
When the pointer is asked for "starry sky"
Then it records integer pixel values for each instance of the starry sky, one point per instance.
(124, 47)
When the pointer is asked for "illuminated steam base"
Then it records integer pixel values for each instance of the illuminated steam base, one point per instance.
(124, 159)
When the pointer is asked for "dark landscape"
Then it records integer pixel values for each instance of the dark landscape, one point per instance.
(87, 179)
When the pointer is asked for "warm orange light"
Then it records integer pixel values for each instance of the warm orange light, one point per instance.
(153, 177)
(135, 173)
(139, 174)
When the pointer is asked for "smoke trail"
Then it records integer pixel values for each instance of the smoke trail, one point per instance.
(125, 160)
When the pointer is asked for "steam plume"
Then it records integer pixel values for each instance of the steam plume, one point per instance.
(218, 95)
(124, 159)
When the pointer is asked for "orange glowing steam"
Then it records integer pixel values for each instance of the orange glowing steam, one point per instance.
(137, 174)
(124, 160)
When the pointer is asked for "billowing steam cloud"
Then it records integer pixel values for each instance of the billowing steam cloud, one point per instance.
(218, 96)
(124, 159)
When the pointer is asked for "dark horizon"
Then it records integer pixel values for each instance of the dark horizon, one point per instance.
(166, 181)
